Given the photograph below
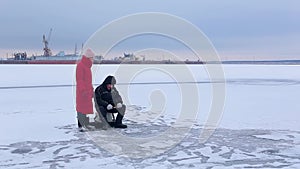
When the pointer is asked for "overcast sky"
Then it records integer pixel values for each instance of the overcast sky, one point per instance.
(242, 28)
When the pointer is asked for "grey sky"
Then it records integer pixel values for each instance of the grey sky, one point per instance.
(262, 28)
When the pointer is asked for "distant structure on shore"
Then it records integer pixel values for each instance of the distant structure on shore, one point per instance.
(63, 58)
(20, 56)
(47, 51)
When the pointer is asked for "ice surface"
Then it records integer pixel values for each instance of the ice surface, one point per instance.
(259, 127)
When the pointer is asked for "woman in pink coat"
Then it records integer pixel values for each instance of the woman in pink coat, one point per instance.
(84, 88)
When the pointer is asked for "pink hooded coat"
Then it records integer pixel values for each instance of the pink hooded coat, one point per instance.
(84, 87)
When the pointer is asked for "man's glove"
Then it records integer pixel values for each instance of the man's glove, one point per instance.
(109, 107)
(119, 105)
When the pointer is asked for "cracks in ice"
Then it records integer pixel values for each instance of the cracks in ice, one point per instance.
(235, 148)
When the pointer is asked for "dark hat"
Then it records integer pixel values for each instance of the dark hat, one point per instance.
(110, 80)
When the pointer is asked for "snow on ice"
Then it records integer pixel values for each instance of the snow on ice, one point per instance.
(259, 127)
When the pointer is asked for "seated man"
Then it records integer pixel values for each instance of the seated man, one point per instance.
(110, 101)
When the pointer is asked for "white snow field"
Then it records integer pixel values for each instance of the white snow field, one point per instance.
(259, 127)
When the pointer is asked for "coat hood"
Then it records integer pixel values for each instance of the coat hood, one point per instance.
(110, 80)
(86, 61)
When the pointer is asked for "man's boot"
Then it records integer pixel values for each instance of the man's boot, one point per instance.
(118, 123)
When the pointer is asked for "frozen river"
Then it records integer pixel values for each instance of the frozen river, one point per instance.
(258, 127)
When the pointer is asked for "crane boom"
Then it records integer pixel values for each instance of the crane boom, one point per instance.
(47, 51)
(49, 35)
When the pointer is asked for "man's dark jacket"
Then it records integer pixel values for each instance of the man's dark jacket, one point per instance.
(104, 96)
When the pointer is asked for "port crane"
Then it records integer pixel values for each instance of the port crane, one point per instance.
(47, 51)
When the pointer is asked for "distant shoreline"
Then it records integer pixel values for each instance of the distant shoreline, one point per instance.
(265, 62)
(261, 62)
